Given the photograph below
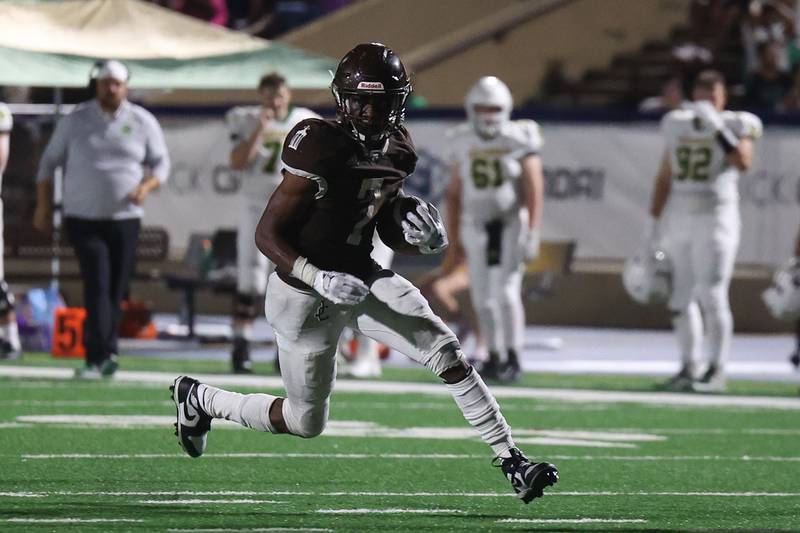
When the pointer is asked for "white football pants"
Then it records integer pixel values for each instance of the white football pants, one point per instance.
(307, 330)
(496, 265)
(702, 248)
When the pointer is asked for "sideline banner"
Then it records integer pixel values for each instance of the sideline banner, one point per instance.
(598, 179)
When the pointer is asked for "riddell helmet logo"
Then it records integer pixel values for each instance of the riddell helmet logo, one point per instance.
(373, 85)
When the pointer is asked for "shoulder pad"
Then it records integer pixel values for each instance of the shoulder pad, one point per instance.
(748, 125)
(675, 119)
(236, 115)
(530, 134)
(310, 144)
(458, 131)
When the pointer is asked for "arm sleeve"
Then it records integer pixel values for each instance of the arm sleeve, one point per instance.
(55, 155)
(156, 153)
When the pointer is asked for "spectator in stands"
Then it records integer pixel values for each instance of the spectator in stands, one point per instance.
(671, 97)
(767, 21)
(768, 85)
(113, 155)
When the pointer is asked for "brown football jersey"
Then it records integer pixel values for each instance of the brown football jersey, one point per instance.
(352, 186)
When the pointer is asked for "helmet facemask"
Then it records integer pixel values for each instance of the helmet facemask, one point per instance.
(488, 105)
(372, 115)
(488, 121)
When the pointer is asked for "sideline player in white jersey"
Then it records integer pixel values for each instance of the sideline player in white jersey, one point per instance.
(9, 335)
(707, 149)
(257, 134)
(494, 209)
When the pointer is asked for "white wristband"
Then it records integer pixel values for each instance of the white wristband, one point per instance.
(304, 271)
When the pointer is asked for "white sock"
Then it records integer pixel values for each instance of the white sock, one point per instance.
(249, 410)
(481, 410)
(719, 323)
(10, 332)
(688, 327)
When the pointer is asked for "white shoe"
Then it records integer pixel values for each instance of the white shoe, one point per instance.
(365, 368)
(89, 372)
(712, 381)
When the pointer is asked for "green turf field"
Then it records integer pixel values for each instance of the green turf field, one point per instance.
(101, 456)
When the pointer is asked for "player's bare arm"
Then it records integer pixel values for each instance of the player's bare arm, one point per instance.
(663, 185)
(532, 184)
(742, 156)
(42, 216)
(145, 187)
(287, 205)
(454, 211)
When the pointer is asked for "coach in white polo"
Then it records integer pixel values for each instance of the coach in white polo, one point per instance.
(113, 155)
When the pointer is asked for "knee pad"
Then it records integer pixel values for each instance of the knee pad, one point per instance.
(447, 357)
(244, 306)
(6, 299)
(305, 419)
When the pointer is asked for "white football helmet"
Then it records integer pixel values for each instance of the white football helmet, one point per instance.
(783, 295)
(489, 91)
(647, 275)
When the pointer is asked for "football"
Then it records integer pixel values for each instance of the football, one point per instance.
(389, 223)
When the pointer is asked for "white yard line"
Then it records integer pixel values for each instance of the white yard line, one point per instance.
(411, 456)
(389, 387)
(21, 495)
(196, 501)
(249, 530)
(383, 494)
(572, 521)
(389, 511)
(70, 520)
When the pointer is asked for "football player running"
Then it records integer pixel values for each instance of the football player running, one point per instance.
(494, 208)
(257, 133)
(340, 177)
(10, 347)
(707, 149)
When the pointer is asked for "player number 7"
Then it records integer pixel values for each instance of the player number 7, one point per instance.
(370, 188)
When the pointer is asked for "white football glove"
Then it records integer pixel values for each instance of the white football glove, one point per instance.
(531, 245)
(709, 114)
(338, 287)
(425, 230)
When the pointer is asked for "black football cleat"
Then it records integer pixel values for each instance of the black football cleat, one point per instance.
(528, 479)
(795, 359)
(193, 424)
(510, 371)
(490, 368)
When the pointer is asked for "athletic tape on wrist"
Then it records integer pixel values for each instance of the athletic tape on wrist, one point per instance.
(304, 271)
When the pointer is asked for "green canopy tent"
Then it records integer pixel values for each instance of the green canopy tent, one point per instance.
(55, 43)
